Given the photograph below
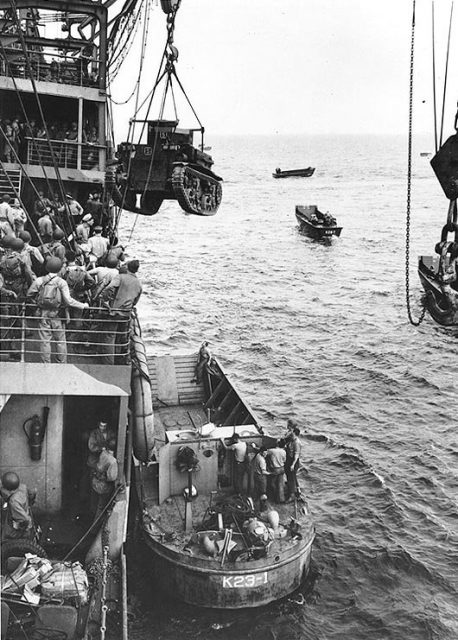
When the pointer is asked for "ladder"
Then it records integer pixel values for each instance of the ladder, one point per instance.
(10, 182)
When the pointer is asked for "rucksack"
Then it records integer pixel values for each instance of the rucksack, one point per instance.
(49, 295)
(11, 268)
(76, 279)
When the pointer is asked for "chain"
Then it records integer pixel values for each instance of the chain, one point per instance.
(416, 323)
(103, 595)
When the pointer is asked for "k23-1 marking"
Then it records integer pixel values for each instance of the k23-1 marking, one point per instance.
(243, 582)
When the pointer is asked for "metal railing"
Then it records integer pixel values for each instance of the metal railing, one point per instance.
(68, 154)
(93, 335)
(76, 70)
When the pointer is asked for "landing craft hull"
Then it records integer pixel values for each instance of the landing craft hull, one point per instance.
(186, 541)
(317, 231)
(295, 173)
(207, 584)
(435, 300)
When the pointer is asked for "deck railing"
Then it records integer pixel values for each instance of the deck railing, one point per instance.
(67, 153)
(51, 66)
(93, 335)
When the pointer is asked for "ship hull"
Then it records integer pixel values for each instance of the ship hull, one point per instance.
(207, 584)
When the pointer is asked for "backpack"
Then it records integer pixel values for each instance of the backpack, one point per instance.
(11, 268)
(49, 295)
(76, 279)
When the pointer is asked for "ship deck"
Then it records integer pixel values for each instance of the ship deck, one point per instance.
(166, 523)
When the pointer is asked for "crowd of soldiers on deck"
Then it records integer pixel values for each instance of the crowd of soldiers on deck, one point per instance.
(16, 135)
(64, 282)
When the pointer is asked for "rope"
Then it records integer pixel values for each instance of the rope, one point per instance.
(446, 74)
(415, 323)
(18, 196)
(142, 59)
(97, 521)
(40, 108)
(24, 111)
(434, 81)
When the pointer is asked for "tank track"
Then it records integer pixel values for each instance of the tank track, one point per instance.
(197, 192)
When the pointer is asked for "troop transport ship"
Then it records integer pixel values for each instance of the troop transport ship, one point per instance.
(55, 60)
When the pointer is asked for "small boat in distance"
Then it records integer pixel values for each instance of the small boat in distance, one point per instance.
(315, 223)
(425, 154)
(207, 148)
(294, 173)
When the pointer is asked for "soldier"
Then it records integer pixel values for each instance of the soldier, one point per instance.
(51, 293)
(6, 217)
(104, 476)
(239, 448)
(19, 522)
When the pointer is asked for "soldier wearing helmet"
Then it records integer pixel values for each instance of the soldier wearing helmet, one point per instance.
(55, 248)
(51, 294)
(14, 269)
(30, 254)
(19, 523)
(103, 277)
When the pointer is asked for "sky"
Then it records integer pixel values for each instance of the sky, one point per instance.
(302, 66)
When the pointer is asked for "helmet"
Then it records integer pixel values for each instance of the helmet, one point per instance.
(53, 265)
(10, 481)
(25, 236)
(133, 266)
(6, 241)
(16, 244)
(111, 260)
(58, 234)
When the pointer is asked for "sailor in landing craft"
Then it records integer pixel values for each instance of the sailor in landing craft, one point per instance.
(204, 361)
(240, 466)
(293, 450)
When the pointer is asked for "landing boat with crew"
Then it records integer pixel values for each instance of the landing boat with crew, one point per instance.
(294, 173)
(209, 545)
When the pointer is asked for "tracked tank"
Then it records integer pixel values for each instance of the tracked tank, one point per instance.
(166, 167)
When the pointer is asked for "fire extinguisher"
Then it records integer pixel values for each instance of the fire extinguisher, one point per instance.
(35, 430)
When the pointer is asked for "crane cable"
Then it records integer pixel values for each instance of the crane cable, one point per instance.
(446, 74)
(413, 321)
(142, 59)
(162, 71)
(137, 90)
(436, 146)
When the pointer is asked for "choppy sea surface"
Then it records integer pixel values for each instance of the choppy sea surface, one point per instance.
(319, 332)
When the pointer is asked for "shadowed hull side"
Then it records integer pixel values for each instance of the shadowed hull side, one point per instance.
(207, 584)
(436, 302)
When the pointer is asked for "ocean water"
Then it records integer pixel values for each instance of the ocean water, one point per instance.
(319, 332)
